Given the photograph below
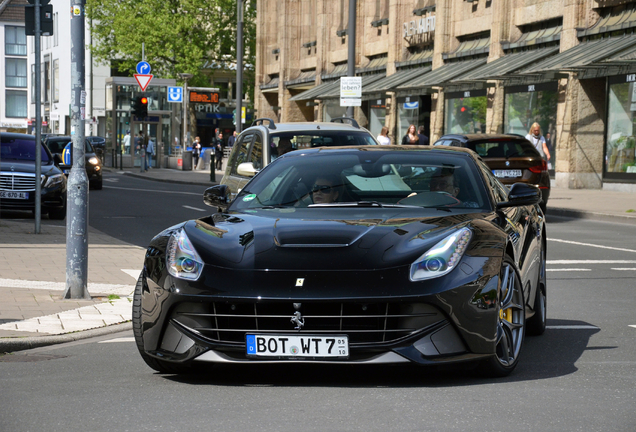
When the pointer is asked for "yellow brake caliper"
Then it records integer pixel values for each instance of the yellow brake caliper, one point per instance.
(507, 314)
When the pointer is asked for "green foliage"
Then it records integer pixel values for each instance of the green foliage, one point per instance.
(180, 36)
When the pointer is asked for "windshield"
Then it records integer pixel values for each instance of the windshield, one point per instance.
(504, 149)
(367, 178)
(57, 145)
(282, 143)
(20, 149)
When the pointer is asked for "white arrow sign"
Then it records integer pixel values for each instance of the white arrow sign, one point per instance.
(143, 80)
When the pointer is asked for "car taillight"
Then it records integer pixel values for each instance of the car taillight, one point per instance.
(543, 166)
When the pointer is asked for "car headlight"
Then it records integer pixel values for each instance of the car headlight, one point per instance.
(93, 161)
(182, 259)
(55, 179)
(443, 257)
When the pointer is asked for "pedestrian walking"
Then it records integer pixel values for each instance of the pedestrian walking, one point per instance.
(423, 139)
(218, 152)
(150, 152)
(538, 141)
(196, 152)
(411, 137)
(383, 138)
(231, 140)
(140, 146)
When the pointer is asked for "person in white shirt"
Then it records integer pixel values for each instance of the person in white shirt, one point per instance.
(535, 137)
(383, 138)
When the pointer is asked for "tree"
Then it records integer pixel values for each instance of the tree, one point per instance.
(180, 36)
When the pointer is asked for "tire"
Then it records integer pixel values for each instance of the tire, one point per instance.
(58, 214)
(161, 366)
(511, 324)
(536, 324)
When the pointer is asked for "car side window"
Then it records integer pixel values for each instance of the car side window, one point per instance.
(256, 155)
(499, 191)
(240, 156)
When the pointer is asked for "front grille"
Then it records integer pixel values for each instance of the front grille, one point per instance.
(17, 181)
(364, 323)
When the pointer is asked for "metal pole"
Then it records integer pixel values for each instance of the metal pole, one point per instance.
(239, 66)
(351, 46)
(38, 121)
(185, 115)
(77, 189)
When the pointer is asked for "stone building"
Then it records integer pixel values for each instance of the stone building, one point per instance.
(467, 66)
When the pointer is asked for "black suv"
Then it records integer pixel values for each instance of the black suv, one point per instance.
(56, 145)
(17, 176)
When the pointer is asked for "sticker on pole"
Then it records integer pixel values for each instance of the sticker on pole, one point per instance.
(143, 80)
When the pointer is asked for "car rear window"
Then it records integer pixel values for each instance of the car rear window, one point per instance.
(57, 145)
(317, 138)
(503, 149)
(20, 149)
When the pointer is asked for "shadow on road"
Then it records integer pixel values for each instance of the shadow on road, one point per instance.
(553, 354)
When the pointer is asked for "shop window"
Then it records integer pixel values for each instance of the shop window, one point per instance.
(620, 153)
(464, 115)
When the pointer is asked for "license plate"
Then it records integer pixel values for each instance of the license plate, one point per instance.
(297, 346)
(507, 173)
(14, 195)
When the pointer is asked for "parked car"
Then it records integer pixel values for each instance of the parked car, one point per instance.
(56, 145)
(265, 140)
(512, 159)
(351, 255)
(17, 176)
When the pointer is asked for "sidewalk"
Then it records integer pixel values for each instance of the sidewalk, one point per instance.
(32, 267)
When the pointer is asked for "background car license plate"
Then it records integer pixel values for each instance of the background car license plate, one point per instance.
(14, 195)
(295, 346)
(507, 173)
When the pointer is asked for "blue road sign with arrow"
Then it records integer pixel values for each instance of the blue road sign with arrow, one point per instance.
(143, 68)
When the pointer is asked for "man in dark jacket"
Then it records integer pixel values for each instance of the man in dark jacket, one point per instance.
(218, 151)
(423, 138)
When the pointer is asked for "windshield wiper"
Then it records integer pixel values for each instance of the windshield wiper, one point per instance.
(363, 204)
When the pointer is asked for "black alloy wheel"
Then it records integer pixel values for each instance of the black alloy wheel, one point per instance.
(156, 364)
(511, 323)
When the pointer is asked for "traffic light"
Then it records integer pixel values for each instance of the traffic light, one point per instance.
(139, 107)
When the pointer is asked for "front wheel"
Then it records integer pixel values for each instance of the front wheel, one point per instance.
(511, 324)
(156, 364)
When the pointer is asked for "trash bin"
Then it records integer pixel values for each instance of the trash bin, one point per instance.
(187, 161)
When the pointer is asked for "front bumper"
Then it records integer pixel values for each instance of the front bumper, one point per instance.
(451, 319)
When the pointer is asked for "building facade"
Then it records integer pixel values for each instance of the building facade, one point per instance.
(461, 66)
(13, 62)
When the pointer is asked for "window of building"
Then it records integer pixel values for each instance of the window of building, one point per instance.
(465, 112)
(55, 80)
(15, 41)
(620, 147)
(32, 83)
(55, 30)
(15, 72)
(16, 103)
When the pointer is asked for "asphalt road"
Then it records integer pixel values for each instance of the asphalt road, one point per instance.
(579, 376)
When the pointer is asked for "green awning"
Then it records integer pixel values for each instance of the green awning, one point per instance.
(334, 92)
(498, 69)
(313, 93)
(584, 55)
(392, 81)
(441, 75)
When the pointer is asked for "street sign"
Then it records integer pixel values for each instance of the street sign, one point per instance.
(175, 94)
(143, 68)
(143, 80)
(350, 91)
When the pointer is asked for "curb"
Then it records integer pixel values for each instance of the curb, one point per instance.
(9, 345)
(579, 214)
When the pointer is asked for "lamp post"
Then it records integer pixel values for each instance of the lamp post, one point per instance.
(185, 77)
(239, 66)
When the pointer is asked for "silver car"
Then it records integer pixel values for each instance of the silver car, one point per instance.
(265, 141)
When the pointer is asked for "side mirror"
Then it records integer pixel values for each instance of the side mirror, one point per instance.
(246, 169)
(217, 196)
(521, 194)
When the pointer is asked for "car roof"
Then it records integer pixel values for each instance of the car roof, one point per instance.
(482, 137)
(387, 148)
(308, 126)
(14, 135)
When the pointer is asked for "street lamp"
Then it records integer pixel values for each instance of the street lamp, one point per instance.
(185, 77)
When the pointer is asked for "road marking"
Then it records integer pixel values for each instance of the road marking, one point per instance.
(568, 269)
(590, 262)
(625, 269)
(592, 245)
(572, 327)
(193, 208)
(112, 180)
(632, 326)
(124, 339)
(154, 190)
